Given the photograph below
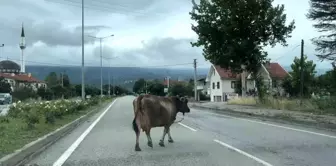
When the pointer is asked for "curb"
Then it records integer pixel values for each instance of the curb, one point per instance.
(33, 149)
(279, 119)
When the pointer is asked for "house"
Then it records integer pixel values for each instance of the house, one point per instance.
(223, 82)
(10, 71)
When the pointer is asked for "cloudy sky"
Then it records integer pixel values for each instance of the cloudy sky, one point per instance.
(146, 32)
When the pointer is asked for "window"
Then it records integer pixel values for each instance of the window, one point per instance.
(233, 84)
(217, 85)
(274, 83)
(213, 85)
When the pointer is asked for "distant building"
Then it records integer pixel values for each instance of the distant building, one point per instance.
(12, 74)
(222, 82)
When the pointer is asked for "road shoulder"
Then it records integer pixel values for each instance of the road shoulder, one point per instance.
(279, 116)
(33, 149)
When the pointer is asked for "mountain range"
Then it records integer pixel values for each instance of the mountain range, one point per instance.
(123, 76)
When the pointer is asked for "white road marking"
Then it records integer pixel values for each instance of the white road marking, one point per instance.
(279, 126)
(186, 126)
(72, 148)
(243, 153)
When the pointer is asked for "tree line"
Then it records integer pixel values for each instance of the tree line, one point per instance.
(156, 87)
(58, 86)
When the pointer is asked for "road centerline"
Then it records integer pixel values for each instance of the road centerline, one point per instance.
(60, 161)
(243, 153)
(278, 126)
(190, 128)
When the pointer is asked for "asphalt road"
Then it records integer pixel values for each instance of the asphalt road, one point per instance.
(203, 138)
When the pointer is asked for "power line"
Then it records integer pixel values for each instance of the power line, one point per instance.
(287, 52)
(104, 7)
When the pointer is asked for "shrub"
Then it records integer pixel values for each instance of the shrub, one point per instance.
(32, 112)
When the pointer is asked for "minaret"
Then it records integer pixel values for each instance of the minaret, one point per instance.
(22, 47)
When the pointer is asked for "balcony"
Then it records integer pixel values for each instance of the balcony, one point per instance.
(199, 87)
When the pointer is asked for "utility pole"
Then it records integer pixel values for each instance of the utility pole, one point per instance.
(113, 86)
(146, 86)
(302, 70)
(62, 77)
(101, 61)
(109, 83)
(101, 69)
(195, 79)
(83, 83)
(168, 82)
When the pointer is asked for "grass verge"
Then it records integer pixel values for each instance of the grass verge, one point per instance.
(23, 125)
(316, 106)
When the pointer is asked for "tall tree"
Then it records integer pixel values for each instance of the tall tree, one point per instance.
(139, 85)
(156, 88)
(52, 79)
(292, 84)
(66, 80)
(234, 32)
(5, 87)
(323, 11)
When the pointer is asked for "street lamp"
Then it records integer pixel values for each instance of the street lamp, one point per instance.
(101, 61)
(109, 78)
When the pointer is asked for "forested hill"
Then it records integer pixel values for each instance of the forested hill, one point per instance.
(122, 75)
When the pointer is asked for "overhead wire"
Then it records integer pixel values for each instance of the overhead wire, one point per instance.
(104, 7)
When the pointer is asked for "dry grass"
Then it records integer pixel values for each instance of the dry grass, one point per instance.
(243, 101)
(284, 104)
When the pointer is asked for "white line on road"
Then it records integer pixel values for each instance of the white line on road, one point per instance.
(186, 126)
(279, 126)
(243, 153)
(72, 148)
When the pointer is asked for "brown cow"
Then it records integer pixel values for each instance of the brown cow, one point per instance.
(156, 111)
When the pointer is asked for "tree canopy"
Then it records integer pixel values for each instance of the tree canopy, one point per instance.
(139, 85)
(323, 11)
(233, 32)
(292, 83)
(5, 87)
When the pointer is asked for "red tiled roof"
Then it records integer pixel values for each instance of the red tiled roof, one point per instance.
(275, 70)
(20, 77)
(226, 73)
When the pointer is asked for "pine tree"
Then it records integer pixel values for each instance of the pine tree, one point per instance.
(324, 12)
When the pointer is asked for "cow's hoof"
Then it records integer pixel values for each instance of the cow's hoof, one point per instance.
(161, 143)
(150, 144)
(137, 148)
(170, 140)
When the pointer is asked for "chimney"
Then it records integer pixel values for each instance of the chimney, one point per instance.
(29, 74)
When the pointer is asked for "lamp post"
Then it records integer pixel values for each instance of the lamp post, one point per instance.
(101, 61)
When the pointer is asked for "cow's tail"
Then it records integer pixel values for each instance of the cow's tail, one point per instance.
(139, 110)
(135, 126)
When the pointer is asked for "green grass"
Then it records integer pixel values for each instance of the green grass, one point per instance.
(14, 133)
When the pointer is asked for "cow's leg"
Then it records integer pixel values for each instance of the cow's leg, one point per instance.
(149, 143)
(170, 139)
(161, 143)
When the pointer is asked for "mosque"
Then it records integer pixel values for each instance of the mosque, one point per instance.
(15, 74)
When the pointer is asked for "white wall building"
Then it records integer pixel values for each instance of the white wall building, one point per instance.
(222, 82)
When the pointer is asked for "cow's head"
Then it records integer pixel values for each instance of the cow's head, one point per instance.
(182, 105)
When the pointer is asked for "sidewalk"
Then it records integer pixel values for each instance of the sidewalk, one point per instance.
(324, 121)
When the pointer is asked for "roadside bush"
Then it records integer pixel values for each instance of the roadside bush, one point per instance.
(33, 112)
